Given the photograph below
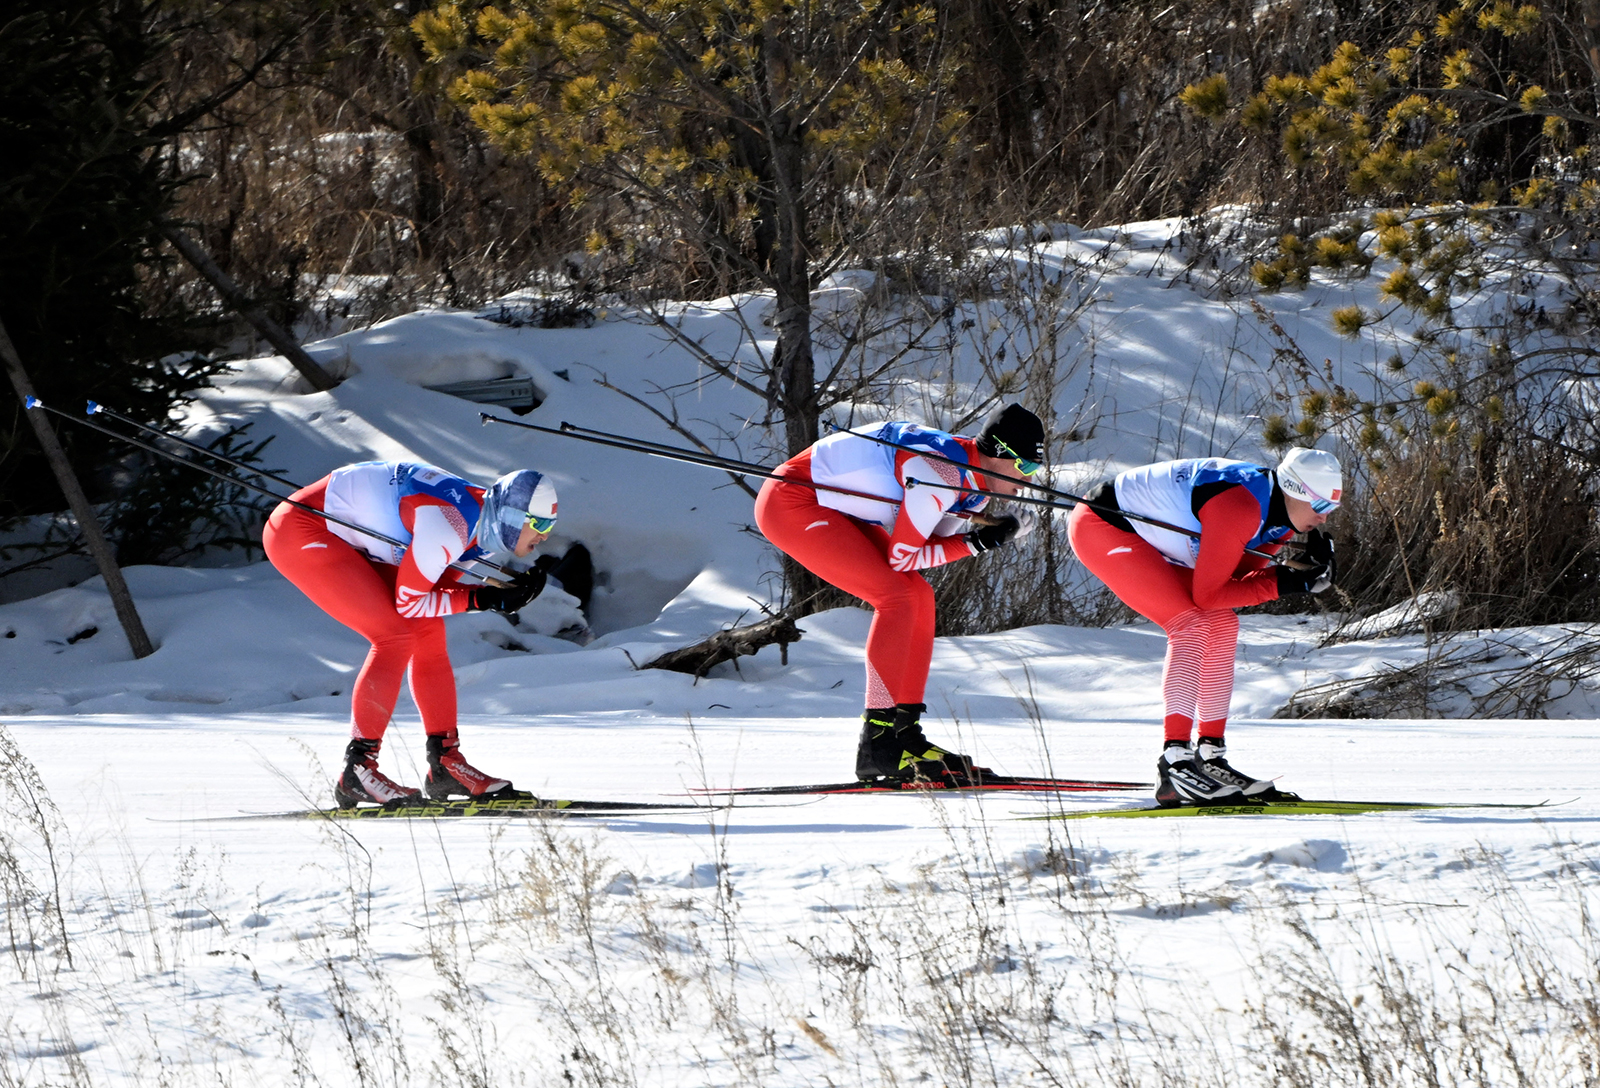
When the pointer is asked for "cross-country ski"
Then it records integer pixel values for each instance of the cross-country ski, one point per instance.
(982, 784)
(1295, 807)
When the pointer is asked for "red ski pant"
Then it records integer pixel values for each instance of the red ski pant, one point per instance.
(1197, 680)
(853, 556)
(360, 594)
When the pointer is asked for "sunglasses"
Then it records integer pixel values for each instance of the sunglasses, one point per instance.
(1027, 468)
(1323, 506)
(541, 525)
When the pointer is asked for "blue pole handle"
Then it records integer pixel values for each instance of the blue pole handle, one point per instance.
(92, 409)
(31, 401)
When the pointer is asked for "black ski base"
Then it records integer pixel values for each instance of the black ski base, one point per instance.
(989, 783)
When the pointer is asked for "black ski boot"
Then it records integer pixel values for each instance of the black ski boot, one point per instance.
(1212, 755)
(1182, 781)
(363, 782)
(449, 775)
(894, 746)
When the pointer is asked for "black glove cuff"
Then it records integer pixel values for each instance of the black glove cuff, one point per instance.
(1292, 582)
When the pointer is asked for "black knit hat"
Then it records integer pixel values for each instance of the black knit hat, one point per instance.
(1019, 429)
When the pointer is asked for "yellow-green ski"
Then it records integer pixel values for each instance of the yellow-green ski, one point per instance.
(1296, 807)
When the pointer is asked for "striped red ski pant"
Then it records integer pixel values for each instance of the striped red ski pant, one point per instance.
(1197, 679)
(360, 594)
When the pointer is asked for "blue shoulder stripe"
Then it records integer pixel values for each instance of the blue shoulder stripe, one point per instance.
(915, 436)
(427, 480)
(1257, 481)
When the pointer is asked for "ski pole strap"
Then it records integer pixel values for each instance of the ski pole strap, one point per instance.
(35, 402)
(1102, 499)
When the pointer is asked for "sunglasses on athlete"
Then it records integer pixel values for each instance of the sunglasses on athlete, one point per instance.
(541, 525)
(1027, 468)
(1323, 506)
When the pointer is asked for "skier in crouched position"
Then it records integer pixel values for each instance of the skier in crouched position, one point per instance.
(897, 514)
(397, 597)
(1190, 583)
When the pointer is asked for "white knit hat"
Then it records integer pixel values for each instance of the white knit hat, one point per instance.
(1312, 475)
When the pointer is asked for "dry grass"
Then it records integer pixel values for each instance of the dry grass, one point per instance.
(975, 966)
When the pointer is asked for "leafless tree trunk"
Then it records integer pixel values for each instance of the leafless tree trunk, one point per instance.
(99, 547)
(274, 333)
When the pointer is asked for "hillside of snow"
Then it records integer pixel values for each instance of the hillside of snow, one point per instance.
(151, 939)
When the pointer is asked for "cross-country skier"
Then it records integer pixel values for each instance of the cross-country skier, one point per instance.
(876, 547)
(1191, 584)
(398, 597)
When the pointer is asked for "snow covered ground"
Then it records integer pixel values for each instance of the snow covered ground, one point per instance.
(877, 940)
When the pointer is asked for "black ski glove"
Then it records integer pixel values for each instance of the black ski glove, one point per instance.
(509, 598)
(1316, 567)
(987, 537)
(1318, 550)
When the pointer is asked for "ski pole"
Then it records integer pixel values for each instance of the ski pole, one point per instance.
(1068, 500)
(637, 445)
(912, 481)
(676, 453)
(570, 427)
(96, 408)
(35, 402)
(1064, 501)
(640, 444)
(727, 464)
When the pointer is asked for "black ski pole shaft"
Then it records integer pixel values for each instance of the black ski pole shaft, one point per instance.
(662, 446)
(1068, 500)
(671, 453)
(635, 445)
(644, 445)
(604, 435)
(675, 453)
(96, 408)
(694, 457)
(913, 482)
(35, 402)
(1048, 504)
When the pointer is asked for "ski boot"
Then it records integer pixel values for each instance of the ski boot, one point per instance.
(894, 746)
(1212, 755)
(1183, 781)
(449, 775)
(363, 782)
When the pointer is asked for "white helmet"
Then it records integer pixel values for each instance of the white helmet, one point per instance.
(1314, 476)
(516, 499)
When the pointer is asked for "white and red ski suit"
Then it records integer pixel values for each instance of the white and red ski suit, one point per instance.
(396, 597)
(1190, 585)
(873, 538)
